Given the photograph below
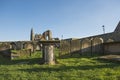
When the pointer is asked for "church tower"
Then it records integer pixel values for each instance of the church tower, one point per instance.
(32, 35)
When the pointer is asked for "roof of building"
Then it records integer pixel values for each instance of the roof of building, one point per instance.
(117, 29)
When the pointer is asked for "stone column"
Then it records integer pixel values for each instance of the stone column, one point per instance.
(49, 54)
(48, 51)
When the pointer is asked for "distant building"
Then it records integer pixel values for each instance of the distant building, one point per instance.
(35, 37)
(32, 35)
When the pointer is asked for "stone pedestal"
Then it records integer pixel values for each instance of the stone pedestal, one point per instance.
(49, 54)
(48, 51)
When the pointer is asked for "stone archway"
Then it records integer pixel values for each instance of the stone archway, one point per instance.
(110, 40)
(86, 46)
(13, 46)
(47, 35)
(97, 45)
(38, 47)
(29, 46)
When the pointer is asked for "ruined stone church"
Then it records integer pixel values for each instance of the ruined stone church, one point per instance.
(25, 47)
(47, 35)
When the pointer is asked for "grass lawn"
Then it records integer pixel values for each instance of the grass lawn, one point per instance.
(69, 68)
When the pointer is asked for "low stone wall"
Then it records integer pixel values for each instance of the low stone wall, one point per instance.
(5, 50)
(82, 46)
(6, 53)
(20, 53)
(112, 48)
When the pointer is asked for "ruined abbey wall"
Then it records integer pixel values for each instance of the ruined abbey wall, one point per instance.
(24, 47)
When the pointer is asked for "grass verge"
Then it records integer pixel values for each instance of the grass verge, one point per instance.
(75, 67)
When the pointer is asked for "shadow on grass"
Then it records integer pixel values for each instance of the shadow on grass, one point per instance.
(21, 61)
(31, 61)
(107, 61)
(68, 68)
(76, 55)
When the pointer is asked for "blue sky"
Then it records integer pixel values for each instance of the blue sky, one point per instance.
(70, 18)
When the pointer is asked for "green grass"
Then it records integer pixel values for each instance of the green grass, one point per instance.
(74, 67)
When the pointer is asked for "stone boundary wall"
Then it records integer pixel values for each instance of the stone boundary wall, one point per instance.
(19, 45)
(23, 48)
(89, 45)
(64, 47)
(112, 48)
(69, 46)
(83, 47)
